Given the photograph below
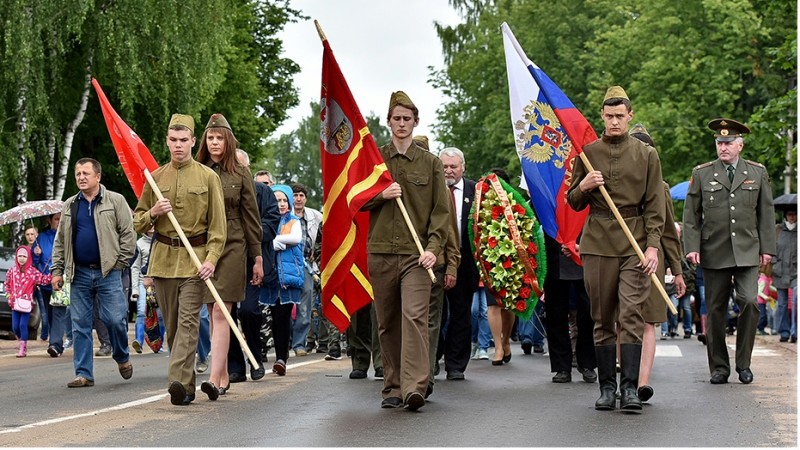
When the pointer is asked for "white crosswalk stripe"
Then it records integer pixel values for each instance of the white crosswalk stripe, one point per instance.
(668, 351)
(673, 351)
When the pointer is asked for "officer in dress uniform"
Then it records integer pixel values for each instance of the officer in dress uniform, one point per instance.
(729, 230)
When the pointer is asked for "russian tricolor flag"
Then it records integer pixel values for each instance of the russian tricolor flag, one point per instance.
(549, 133)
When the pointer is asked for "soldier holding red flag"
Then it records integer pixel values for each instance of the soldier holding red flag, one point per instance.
(193, 193)
(394, 261)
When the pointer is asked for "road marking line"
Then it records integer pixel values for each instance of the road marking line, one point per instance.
(121, 406)
(668, 351)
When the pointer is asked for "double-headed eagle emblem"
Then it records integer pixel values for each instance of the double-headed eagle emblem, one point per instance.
(541, 137)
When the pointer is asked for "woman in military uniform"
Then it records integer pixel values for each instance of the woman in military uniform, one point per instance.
(218, 152)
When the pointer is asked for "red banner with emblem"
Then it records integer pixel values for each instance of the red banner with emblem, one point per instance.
(353, 172)
(132, 153)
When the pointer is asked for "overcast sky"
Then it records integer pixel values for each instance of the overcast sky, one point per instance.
(380, 46)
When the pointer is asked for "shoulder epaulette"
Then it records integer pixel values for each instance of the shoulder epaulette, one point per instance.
(704, 165)
(754, 163)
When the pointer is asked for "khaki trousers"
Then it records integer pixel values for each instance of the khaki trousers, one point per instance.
(435, 318)
(402, 295)
(180, 300)
(617, 290)
(718, 292)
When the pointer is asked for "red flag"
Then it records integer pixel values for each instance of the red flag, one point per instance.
(353, 172)
(131, 151)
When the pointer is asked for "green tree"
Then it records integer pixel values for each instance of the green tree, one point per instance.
(681, 63)
(151, 58)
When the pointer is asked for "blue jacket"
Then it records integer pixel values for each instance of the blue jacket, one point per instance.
(290, 262)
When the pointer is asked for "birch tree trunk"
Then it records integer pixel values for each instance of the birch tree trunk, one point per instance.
(70, 134)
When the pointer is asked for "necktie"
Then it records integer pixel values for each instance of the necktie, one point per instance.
(730, 173)
(453, 194)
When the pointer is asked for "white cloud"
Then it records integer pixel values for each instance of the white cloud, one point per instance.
(380, 46)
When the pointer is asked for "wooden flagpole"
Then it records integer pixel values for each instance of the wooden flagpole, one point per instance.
(653, 278)
(198, 264)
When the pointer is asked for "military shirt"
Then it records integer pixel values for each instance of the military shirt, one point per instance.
(632, 175)
(421, 178)
(729, 224)
(195, 193)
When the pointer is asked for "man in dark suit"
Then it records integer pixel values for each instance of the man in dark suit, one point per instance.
(457, 336)
(729, 230)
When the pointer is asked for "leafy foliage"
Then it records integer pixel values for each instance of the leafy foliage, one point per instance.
(681, 63)
(153, 58)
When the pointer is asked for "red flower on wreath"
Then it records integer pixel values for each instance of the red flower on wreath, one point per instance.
(492, 242)
(502, 293)
(525, 292)
(527, 279)
(497, 212)
(521, 306)
(507, 263)
(532, 248)
(519, 209)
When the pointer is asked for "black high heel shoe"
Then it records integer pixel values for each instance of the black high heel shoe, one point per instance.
(498, 362)
(507, 358)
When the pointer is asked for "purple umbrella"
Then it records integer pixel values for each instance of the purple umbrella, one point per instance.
(29, 210)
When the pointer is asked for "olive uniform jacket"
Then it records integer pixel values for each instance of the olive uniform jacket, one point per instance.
(729, 224)
(632, 175)
(195, 193)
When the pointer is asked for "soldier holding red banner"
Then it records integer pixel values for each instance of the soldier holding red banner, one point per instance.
(193, 193)
(395, 264)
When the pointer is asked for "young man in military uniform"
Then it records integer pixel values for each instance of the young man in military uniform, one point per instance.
(617, 282)
(729, 229)
(395, 265)
(193, 193)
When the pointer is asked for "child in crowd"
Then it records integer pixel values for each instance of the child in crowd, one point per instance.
(21, 280)
(767, 296)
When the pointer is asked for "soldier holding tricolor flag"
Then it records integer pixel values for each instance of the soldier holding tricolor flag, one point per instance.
(617, 282)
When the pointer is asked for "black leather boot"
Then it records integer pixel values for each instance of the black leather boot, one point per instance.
(631, 356)
(607, 376)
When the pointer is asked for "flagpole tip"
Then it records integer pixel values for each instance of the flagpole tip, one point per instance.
(319, 31)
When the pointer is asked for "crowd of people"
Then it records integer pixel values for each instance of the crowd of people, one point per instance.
(248, 249)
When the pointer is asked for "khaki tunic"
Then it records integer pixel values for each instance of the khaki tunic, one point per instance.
(196, 197)
(421, 177)
(243, 225)
(632, 174)
(670, 250)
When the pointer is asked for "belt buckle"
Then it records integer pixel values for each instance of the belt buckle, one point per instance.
(175, 242)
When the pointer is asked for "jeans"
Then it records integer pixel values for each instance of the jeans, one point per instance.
(684, 303)
(204, 336)
(783, 323)
(19, 323)
(532, 330)
(481, 334)
(141, 302)
(86, 284)
(794, 312)
(302, 322)
(60, 324)
(37, 295)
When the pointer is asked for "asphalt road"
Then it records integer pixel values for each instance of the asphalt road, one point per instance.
(316, 405)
